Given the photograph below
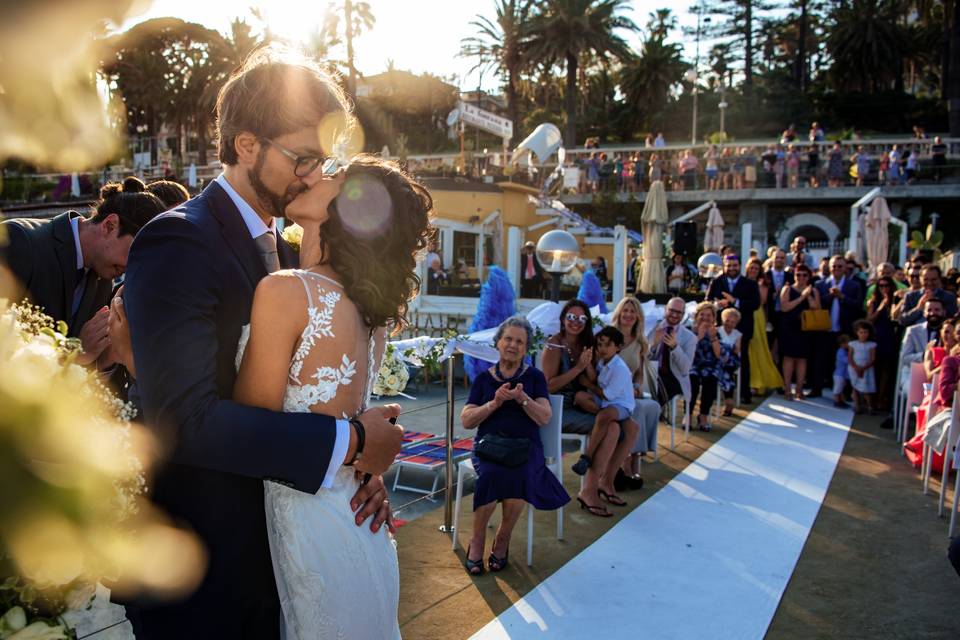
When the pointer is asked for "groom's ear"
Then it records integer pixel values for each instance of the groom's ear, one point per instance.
(247, 147)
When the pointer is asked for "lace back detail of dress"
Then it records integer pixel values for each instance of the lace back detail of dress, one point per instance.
(327, 380)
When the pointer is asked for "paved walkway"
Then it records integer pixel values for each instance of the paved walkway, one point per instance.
(728, 531)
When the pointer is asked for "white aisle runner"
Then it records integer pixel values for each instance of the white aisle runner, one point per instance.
(710, 554)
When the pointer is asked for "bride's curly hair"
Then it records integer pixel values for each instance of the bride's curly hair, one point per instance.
(373, 249)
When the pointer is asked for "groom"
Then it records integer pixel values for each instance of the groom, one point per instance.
(189, 290)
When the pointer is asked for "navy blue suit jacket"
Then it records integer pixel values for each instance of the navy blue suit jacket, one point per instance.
(190, 281)
(747, 292)
(851, 304)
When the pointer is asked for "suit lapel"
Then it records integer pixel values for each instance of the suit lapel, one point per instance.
(289, 257)
(66, 250)
(235, 232)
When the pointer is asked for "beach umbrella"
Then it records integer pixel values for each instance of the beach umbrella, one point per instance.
(876, 236)
(713, 239)
(654, 221)
(75, 185)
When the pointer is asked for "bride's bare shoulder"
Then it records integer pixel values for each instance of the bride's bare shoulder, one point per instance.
(279, 301)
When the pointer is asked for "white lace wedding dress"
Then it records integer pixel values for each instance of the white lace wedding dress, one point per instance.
(335, 579)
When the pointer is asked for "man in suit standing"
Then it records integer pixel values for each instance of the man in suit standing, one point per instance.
(67, 264)
(842, 296)
(189, 291)
(633, 266)
(777, 276)
(531, 273)
(732, 290)
(914, 301)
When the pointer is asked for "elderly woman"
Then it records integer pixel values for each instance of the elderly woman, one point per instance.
(706, 370)
(628, 318)
(510, 401)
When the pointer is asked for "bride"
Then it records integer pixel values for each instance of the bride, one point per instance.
(316, 338)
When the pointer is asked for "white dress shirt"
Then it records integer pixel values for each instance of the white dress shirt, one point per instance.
(779, 278)
(835, 305)
(615, 379)
(257, 228)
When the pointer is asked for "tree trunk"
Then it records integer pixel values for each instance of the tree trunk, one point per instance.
(352, 77)
(512, 103)
(570, 102)
(748, 46)
(800, 69)
(953, 77)
(202, 138)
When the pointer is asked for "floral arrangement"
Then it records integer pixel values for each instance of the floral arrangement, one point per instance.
(293, 235)
(393, 375)
(69, 497)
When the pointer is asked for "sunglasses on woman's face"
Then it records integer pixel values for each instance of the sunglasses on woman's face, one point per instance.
(572, 317)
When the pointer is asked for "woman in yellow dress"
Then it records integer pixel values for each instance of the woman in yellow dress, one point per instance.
(763, 372)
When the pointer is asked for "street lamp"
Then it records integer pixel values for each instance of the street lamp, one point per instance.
(557, 252)
(692, 75)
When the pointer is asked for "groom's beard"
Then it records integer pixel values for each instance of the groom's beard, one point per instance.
(274, 203)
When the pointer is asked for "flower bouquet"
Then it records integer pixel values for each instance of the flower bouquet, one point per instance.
(393, 375)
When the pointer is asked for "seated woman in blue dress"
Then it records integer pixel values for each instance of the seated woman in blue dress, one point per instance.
(510, 400)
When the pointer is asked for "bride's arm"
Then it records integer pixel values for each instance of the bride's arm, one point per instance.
(274, 331)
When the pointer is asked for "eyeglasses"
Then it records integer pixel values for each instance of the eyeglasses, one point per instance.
(572, 317)
(305, 165)
(676, 311)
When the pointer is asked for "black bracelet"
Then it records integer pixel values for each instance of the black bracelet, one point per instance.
(361, 439)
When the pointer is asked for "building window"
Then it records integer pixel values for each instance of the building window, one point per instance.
(465, 248)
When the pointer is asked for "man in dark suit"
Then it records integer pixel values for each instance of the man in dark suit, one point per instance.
(189, 291)
(531, 273)
(842, 296)
(733, 290)
(67, 264)
(777, 276)
(632, 271)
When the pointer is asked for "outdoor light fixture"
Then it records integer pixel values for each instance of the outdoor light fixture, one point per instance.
(557, 253)
(710, 265)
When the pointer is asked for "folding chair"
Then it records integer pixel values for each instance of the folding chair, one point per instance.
(926, 455)
(913, 398)
(948, 453)
(552, 451)
(673, 420)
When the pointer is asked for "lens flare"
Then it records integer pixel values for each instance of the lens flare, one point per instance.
(365, 207)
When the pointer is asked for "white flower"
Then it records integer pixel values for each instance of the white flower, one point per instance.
(13, 620)
(40, 631)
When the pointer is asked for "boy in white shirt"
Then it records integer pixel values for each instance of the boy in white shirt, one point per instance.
(611, 398)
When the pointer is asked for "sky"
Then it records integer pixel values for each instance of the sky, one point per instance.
(418, 35)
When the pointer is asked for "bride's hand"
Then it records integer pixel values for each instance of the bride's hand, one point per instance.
(371, 500)
(311, 206)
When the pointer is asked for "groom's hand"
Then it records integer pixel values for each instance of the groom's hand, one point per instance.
(383, 440)
(371, 500)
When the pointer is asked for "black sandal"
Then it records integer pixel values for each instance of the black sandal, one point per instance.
(600, 512)
(612, 498)
(474, 564)
(498, 564)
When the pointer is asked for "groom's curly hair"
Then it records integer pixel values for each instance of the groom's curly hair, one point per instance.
(374, 249)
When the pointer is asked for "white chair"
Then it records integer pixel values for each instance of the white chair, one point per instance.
(582, 438)
(952, 436)
(956, 503)
(913, 398)
(926, 454)
(673, 409)
(715, 409)
(550, 436)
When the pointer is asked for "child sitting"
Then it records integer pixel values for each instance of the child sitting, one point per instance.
(841, 371)
(611, 397)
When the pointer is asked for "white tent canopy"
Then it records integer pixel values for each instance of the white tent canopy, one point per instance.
(543, 142)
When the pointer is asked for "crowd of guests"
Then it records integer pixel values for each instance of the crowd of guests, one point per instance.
(788, 163)
(774, 324)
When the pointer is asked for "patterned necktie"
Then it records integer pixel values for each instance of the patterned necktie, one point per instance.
(267, 246)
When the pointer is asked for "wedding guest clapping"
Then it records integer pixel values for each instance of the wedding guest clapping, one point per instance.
(508, 404)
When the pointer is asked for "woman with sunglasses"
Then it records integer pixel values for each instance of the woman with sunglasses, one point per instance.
(795, 344)
(880, 314)
(569, 355)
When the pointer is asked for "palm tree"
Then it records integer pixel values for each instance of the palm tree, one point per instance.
(499, 45)
(357, 16)
(867, 45)
(565, 30)
(646, 79)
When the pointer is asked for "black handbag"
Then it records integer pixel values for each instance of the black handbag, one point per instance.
(508, 452)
